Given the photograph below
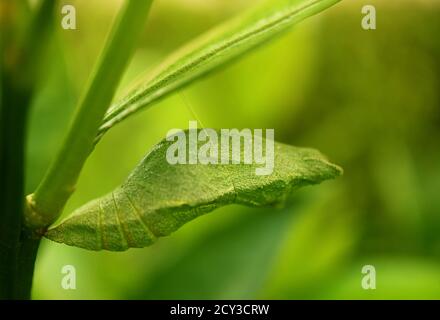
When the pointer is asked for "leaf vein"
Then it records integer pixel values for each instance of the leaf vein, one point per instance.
(139, 216)
(124, 237)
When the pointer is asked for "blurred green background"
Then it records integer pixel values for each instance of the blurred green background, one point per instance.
(367, 99)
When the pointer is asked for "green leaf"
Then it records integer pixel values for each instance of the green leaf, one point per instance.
(158, 197)
(212, 50)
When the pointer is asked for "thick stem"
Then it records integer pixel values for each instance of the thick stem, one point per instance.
(24, 271)
(12, 139)
(46, 204)
(18, 72)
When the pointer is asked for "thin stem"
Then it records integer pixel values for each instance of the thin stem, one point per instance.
(45, 205)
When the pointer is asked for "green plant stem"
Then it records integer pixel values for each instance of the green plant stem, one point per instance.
(13, 119)
(46, 204)
(24, 271)
(18, 76)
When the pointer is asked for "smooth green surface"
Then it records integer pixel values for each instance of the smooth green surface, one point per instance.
(46, 203)
(212, 50)
(18, 79)
(158, 198)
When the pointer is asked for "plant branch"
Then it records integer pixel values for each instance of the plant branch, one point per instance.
(46, 204)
